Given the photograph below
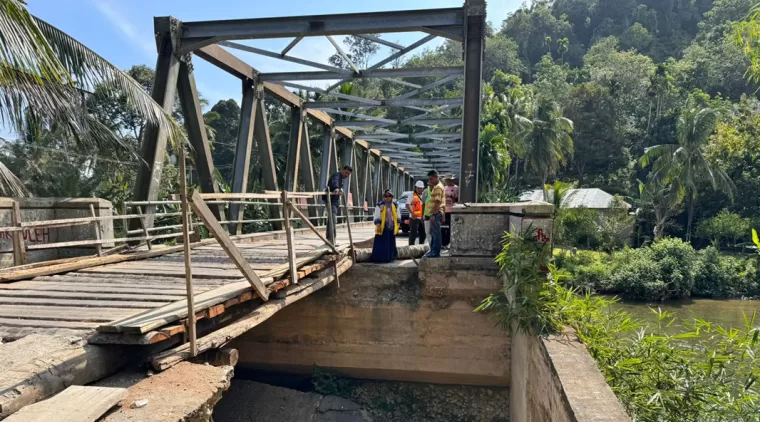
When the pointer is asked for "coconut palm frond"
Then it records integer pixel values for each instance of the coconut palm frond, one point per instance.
(10, 185)
(41, 67)
(91, 69)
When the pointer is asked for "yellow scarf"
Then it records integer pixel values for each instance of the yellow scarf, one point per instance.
(383, 214)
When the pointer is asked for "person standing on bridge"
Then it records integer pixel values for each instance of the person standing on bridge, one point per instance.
(435, 207)
(414, 206)
(452, 197)
(335, 186)
(386, 228)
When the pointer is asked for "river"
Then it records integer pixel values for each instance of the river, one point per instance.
(728, 313)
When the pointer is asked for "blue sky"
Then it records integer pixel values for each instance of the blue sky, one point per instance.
(122, 30)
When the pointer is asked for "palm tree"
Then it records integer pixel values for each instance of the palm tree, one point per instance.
(683, 165)
(549, 142)
(43, 71)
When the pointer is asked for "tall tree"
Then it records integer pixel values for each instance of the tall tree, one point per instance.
(42, 70)
(549, 142)
(683, 165)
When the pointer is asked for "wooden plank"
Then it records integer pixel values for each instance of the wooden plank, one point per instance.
(168, 313)
(89, 262)
(206, 273)
(44, 323)
(43, 264)
(74, 404)
(66, 313)
(94, 288)
(134, 280)
(223, 336)
(77, 302)
(224, 240)
(89, 295)
(292, 266)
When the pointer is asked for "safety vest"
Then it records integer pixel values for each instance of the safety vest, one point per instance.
(383, 215)
(416, 205)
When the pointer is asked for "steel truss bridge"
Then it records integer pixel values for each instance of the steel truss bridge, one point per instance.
(441, 134)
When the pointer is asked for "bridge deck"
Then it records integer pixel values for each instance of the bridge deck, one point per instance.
(147, 297)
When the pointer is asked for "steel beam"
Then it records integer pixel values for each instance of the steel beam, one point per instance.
(343, 54)
(385, 103)
(333, 94)
(473, 80)
(378, 179)
(153, 148)
(365, 177)
(268, 168)
(261, 52)
(327, 148)
(358, 116)
(290, 46)
(307, 169)
(196, 130)
(294, 149)
(400, 53)
(317, 25)
(404, 72)
(381, 41)
(427, 87)
(243, 153)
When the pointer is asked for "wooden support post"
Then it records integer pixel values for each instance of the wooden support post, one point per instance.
(19, 248)
(186, 249)
(243, 153)
(290, 239)
(337, 273)
(96, 231)
(311, 226)
(328, 210)
(221, 236)
(144, 224)
(348, 228)
(266, 157)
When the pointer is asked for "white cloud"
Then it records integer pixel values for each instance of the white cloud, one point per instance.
(139, 40)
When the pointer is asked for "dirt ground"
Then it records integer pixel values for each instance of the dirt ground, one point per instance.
(186, 392)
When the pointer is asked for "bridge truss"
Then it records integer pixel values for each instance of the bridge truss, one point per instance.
(442, 133)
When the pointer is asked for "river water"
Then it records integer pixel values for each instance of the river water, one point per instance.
(727, 313)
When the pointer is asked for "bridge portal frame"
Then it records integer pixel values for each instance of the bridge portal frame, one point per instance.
(177, 42)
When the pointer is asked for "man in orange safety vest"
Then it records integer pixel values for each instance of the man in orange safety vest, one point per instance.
(415, 205)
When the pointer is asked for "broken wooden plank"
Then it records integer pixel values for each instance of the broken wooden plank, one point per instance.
(223, 336)
(75, 404)
(213, 226)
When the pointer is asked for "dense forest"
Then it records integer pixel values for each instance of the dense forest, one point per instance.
(645, 99)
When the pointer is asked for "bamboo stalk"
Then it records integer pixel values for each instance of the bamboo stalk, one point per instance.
(186, 250)
(290, 239)
(314, 229)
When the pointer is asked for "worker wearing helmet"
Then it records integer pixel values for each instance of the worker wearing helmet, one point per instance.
(414, 204)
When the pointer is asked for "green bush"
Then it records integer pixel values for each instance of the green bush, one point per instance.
(717, 275)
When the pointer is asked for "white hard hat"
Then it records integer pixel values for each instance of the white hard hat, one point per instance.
(419, 184)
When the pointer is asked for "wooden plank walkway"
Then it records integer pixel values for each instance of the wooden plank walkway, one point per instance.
(143, 293)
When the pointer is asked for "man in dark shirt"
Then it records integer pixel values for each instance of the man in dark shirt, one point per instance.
(335, 185)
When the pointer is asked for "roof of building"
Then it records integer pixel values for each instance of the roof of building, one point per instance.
(593, 198)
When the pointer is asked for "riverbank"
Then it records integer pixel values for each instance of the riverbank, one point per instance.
(669, 269)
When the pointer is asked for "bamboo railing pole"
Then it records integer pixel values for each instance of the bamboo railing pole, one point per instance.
(291, 240)
(186, 248)
(348, 227)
